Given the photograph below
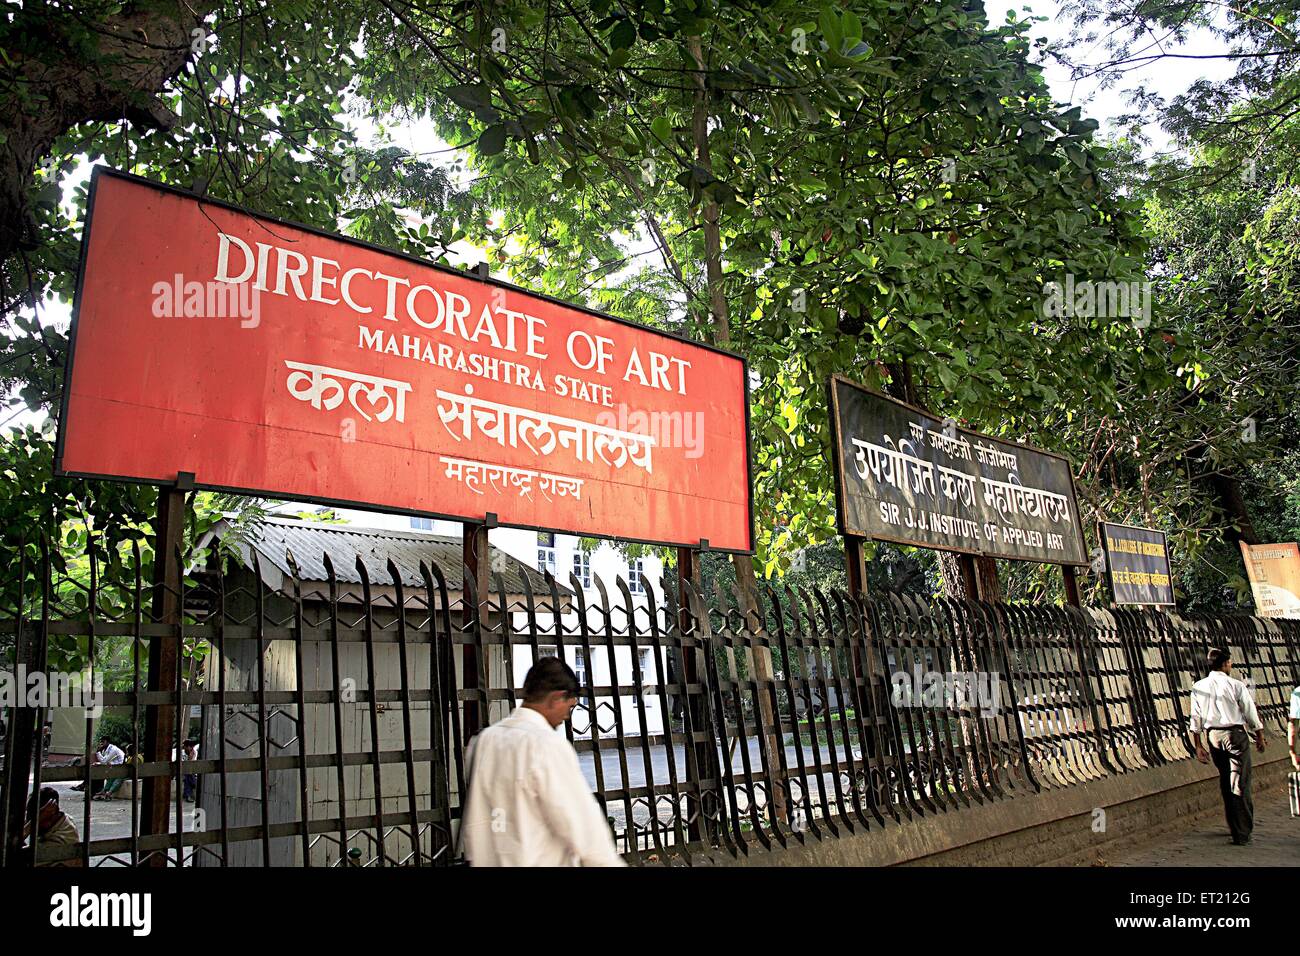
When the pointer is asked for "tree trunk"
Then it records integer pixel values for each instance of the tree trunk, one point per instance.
(1223, 486)
(62, 72)
(720, 314)
(720, 321)
(965, 577)
(1227, 491)
(958, 577)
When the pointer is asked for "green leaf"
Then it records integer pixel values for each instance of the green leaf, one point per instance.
(850, 26)
(623, 35)
(829, 24)
(493, 140)
(470, 96)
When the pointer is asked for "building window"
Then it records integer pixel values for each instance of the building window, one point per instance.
(546, 551)
(422, 524)
(636, 577)
(547, 650)
(582, 567)
(643, 661)
(580, 667)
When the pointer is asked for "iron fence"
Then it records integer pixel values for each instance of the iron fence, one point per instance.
(331, 717)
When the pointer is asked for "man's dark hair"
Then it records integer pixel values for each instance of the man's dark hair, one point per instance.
(41, 799)
(1217, 658)
(547, 676)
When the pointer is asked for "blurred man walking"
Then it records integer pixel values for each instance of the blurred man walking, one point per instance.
(529, 804)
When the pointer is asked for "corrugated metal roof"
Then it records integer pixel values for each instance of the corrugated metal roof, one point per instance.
(310, 541)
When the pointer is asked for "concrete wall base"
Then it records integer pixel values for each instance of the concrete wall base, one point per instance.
(1061, 827)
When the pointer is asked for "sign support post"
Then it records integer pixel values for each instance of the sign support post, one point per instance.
(1071, 579)
(855, 562)
(164, 655)
(23, 742)
(765, 679)
(864, 675)
(699, 755)
(474, 554)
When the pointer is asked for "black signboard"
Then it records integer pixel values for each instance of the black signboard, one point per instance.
(1137, 563)
(905, 476)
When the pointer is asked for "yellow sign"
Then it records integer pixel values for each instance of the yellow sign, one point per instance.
(1274, 573)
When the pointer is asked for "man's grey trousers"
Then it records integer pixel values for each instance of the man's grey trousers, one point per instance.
(1230, 750)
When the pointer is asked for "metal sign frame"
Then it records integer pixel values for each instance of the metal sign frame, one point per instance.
(104, 171)
(837, 468)
(1104, 541)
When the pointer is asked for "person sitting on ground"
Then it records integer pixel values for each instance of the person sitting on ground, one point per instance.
(111, 787)
(109, 754)
(53, 828)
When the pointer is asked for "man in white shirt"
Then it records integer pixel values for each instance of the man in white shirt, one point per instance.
(528, 803)
(108, 753)
(1223, 709)
(1293, 729)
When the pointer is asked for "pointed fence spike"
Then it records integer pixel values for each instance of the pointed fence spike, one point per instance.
(597, 580)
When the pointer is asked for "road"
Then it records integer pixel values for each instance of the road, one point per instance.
(636, 775)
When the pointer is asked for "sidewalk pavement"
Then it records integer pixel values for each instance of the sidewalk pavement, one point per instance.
(1205, 842)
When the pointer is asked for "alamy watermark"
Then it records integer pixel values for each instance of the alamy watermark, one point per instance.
(91, 908)
(675, 429)
(49, 689)
(179, 299)
(951, 689)
(1089, 299)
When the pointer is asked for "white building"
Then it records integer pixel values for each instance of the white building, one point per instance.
(562, 555)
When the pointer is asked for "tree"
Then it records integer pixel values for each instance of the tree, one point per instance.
(64, 67)
(1188, 438)
(239, 101)
(1240, 115)
(851, 206)
(883, 190)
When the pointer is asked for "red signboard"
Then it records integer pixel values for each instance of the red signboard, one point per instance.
(274, 359)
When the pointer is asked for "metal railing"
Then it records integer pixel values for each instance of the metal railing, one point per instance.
(332, 717)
